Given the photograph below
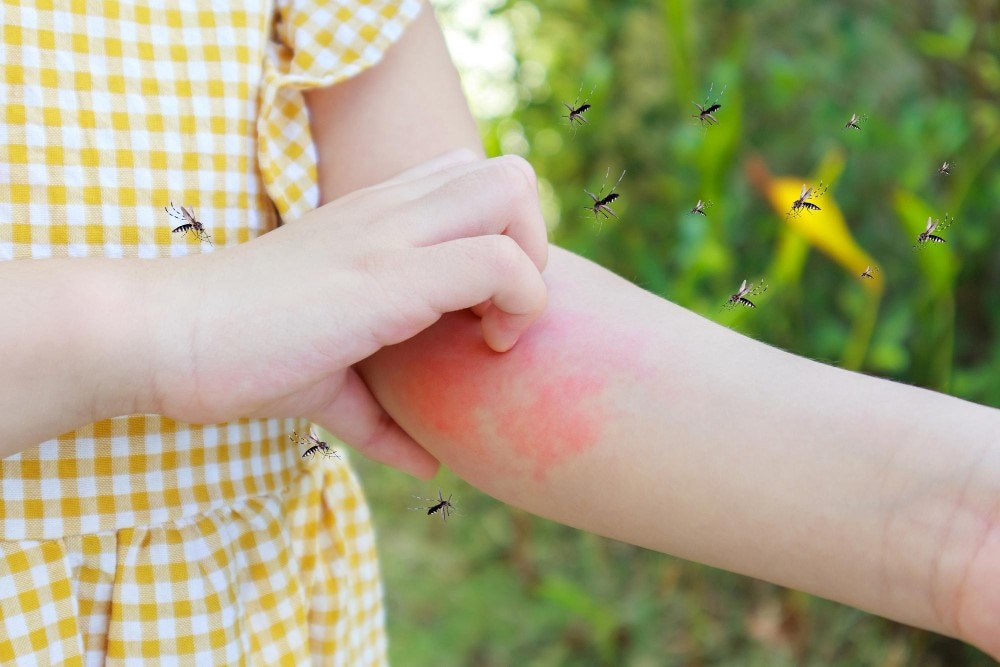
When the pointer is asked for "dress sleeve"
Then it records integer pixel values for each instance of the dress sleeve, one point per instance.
(314, 43)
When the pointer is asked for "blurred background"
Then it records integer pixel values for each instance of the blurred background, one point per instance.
(499, 587)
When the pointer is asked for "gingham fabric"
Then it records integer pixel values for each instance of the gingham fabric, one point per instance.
(141, 539)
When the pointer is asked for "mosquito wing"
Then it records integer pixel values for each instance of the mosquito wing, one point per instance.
(931, 225)
(743, 289)
(806, 191)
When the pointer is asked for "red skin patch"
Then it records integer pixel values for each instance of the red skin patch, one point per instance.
(526, 411)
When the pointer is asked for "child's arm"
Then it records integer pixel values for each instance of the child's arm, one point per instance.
(625, 415)
(71, 345)
(407, 108)
(271, 328)
(628, 416)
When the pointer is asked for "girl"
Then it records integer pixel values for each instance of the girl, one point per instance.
(190, 530)
(208, 542)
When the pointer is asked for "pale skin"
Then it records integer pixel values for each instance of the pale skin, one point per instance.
(638, 420)
(257, 330)
(718, 448)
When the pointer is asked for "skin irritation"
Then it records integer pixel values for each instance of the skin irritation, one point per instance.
(524, 412)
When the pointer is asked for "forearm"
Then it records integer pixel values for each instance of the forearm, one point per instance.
(625, 415)
(72, 343)
(630, 417)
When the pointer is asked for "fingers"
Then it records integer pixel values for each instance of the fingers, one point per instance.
(480, 238)
(436, 164)
(465, 272)
(497, 196)
(356, 417)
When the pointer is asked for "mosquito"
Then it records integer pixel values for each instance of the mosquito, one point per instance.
(705, 112)
(933, 224)
(575, 115)
(742, 296)
(946, 168)
(870, 272)
(316, 446)
(602, 201)
(191, 224)
(446, 507)
(855, 121)
(701, 206)
(807, 193)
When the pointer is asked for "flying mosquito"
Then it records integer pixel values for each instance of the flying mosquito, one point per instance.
(946, 168)
(855, 121)
(802, 202)
(602, 201)
(705, 112)
(316, 446)
(701, 206)
(742, 296)
(870, 272)
(575, 115)
(446, 507)
(191, 224)
(933, 224)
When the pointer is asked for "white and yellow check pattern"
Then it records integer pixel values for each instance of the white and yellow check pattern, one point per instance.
(319, 43)
(140, 538)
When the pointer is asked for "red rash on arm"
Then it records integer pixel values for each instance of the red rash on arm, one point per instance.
(520, 413)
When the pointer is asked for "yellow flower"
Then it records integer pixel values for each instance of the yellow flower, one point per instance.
(824, 229)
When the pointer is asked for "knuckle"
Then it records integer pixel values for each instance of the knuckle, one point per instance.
(505, 254)
(371, 263)
(385, 288)
(517, 177)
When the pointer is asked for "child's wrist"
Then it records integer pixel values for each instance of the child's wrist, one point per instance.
(141, 319)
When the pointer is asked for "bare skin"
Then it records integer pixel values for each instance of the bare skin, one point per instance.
(275, 336)
(719, 449)
(722, 450)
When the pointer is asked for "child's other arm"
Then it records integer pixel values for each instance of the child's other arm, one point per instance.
(628, 416)
(625, 415)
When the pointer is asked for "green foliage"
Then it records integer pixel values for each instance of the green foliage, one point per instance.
(499, 588)
(792, 77)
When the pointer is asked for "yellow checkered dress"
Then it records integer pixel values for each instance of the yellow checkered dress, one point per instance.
(140, 538)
